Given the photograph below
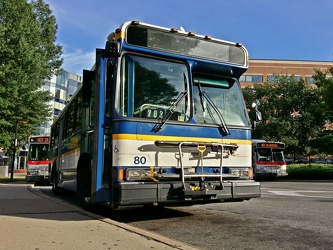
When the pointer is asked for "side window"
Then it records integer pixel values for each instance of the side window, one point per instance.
(78, 113)
(108, 88)
(87, 98)
(73, 117)
(92, 106)
(69, 120)
(55, 134)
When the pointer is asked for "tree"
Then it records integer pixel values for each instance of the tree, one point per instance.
(291, 110)
(324, 141)
(28, 56)
(324, 81)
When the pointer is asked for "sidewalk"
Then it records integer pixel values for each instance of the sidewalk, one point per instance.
(32, 220)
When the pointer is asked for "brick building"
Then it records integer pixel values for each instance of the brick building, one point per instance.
(264, 70)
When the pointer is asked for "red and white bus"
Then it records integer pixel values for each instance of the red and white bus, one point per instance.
(268, 159)
(37, 158)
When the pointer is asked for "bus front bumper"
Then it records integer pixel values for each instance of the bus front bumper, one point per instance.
(136, 193)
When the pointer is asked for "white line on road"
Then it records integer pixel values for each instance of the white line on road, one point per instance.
(298, 193)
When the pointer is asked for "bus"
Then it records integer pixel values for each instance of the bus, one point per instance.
(37, 158)
(159, 120)
(268, 159)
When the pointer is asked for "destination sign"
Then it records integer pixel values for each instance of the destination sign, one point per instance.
(40, 139)
(270, 145)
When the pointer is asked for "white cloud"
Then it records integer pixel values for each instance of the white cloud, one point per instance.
(76, 61)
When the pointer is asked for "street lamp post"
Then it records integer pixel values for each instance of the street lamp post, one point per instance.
(15, 144)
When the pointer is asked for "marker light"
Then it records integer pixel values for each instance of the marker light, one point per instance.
(120, 174)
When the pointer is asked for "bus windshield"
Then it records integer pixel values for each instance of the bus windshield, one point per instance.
(154, 85)
(267, 154)
(225, 95)
(37, 152)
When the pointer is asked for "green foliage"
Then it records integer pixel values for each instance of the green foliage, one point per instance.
(292, 112)
(28, 56)
(323, 143)
(324, 81)
(310, 171)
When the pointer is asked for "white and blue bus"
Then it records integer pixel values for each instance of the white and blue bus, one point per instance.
(160, 119)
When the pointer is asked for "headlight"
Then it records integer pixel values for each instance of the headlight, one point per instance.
(244, 173)
(137, 174)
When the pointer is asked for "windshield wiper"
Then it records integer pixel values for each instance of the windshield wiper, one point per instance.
(173, 107)
(201, 95)
(222, 125)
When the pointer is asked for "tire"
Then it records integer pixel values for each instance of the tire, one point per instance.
(84, 181)
(54, 178)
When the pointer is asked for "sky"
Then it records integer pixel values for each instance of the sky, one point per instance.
(269, 29)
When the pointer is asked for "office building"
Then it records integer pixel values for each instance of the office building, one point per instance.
(61, 87)
(264, 70)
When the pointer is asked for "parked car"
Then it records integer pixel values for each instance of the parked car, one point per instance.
(302, 160)
(329, 160)
(318, 160)
(289, 161)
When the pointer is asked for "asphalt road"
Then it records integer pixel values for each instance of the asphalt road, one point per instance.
(289, 215)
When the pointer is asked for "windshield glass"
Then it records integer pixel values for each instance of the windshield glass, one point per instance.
(149, 87)
(225, 95)
(38, 152)
(266, 154)
(278, 155)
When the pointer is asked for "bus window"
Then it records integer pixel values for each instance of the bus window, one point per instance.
(278, 155)
(154, 85)
(226, 97)
(55, 134)
(69, 121)
(264, 154)
(78, 113)
(108, 88)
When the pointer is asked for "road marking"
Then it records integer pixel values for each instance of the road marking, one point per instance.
(298, 193)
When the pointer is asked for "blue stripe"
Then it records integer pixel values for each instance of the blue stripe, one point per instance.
(186, 130)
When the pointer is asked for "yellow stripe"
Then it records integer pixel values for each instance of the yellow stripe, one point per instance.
(176, 138)
(65, 154)
(71, 152)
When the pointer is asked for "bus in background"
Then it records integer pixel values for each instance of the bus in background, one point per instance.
(268, 159)
(159, 120)
(37, 158)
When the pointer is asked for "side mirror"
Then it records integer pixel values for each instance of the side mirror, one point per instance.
(256, 115)
(111, 46)
(111, 49)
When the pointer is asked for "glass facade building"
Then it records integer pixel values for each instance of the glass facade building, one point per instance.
(61, 87)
